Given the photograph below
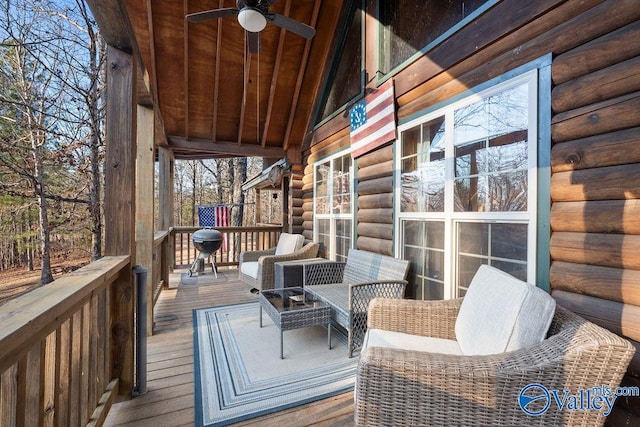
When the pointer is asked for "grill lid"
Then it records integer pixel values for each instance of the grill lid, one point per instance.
(207, 235)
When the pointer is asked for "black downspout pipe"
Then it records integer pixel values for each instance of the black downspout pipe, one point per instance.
(141, 330)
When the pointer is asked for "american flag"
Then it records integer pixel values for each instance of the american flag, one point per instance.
(222, 216)
(380, 125)
(213, 216)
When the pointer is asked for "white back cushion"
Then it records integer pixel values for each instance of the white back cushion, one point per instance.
(501, 313)
(289, 243)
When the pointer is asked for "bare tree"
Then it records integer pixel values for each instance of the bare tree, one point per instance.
(51, 120)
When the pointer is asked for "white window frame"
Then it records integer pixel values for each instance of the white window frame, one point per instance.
(334, 216)
(449, 216)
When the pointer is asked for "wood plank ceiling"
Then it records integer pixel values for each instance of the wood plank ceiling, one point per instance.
(216, 99)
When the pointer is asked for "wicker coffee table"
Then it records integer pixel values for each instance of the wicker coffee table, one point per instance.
(292, 308)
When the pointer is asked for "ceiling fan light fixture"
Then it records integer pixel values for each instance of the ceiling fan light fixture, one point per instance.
(252, 20)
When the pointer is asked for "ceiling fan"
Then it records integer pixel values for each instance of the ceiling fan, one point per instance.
(253, 16)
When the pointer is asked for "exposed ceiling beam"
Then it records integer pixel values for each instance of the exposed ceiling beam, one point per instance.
(224, 148)
(185, 50)
(191, 155)
(152, 51)
(114, 23)
(274, 77)
(298, 88)
(216, 77)
(247, 71)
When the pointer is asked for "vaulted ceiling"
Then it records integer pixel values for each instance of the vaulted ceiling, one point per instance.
(214, 98)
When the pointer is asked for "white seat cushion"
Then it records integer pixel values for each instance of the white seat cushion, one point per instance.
(289, 243)
(250, 269)
(402, 341)
(500, 313)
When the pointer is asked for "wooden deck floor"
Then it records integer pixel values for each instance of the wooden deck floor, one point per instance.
(169, 400)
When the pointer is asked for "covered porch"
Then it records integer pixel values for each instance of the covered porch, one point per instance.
(170, 100)
(170, 396)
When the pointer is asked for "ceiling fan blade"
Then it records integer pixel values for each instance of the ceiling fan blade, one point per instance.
(292, 25)
(210, 14)
(254, 42)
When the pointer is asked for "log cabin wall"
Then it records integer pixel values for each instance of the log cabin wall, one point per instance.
(375, 201)
(296, 199)
(595, 159)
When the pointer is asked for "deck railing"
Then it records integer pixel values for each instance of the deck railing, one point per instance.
(161, 263)
(235, 240)
(58, 346)
(61, 358)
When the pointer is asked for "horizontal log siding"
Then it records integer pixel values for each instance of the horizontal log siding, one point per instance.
(296, 200)
(375, 201)
(595, 186)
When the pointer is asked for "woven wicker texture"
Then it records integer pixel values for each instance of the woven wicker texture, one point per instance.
(408, 388)
(301, 317)
(266, 264)
(348, 288)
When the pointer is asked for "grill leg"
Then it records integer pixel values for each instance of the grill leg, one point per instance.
(213, 267)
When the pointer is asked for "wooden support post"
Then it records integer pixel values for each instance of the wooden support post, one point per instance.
(165, 203)
(145, 202)
(258, 208)
(285, 205)
(119, 208)
(165, 188)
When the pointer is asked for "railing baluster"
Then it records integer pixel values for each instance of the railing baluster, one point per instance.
(49, 380)
(9, 396)
(63, 356)
(76, 346)
(237, 239)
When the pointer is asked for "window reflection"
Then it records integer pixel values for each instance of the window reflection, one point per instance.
(333, 221)
(467, 173)
(409, 26)
(491, 153)
(502, 245)
(423, 168)
(346, 76)
(424, 249)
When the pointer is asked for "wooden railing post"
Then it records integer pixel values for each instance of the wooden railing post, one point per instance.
(119, 208)
(144, 202)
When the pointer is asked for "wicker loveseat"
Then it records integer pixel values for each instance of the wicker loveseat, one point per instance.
(349, 287)
(401, 387)
(256, 268)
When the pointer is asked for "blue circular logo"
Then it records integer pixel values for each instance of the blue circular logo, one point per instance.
(531, 397)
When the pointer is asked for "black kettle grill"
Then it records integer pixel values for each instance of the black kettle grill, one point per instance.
(207, 241)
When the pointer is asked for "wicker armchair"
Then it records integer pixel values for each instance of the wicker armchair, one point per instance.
(400, 387)
(263, 264)
(349, 287)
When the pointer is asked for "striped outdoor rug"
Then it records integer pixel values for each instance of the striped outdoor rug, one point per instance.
(239, 373)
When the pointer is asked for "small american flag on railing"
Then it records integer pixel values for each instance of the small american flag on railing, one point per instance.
(373, 120)
(215, 216)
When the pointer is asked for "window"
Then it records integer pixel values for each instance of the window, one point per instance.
(468, 188)
(409, 27)
(345, 80)
(333, 210)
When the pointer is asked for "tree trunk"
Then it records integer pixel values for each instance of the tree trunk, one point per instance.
(95, 50)
(43, 217)
(242, 175)
(232, 174)
(219, 186)
(193, 194)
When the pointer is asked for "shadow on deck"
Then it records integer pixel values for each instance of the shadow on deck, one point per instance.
(169, 400)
